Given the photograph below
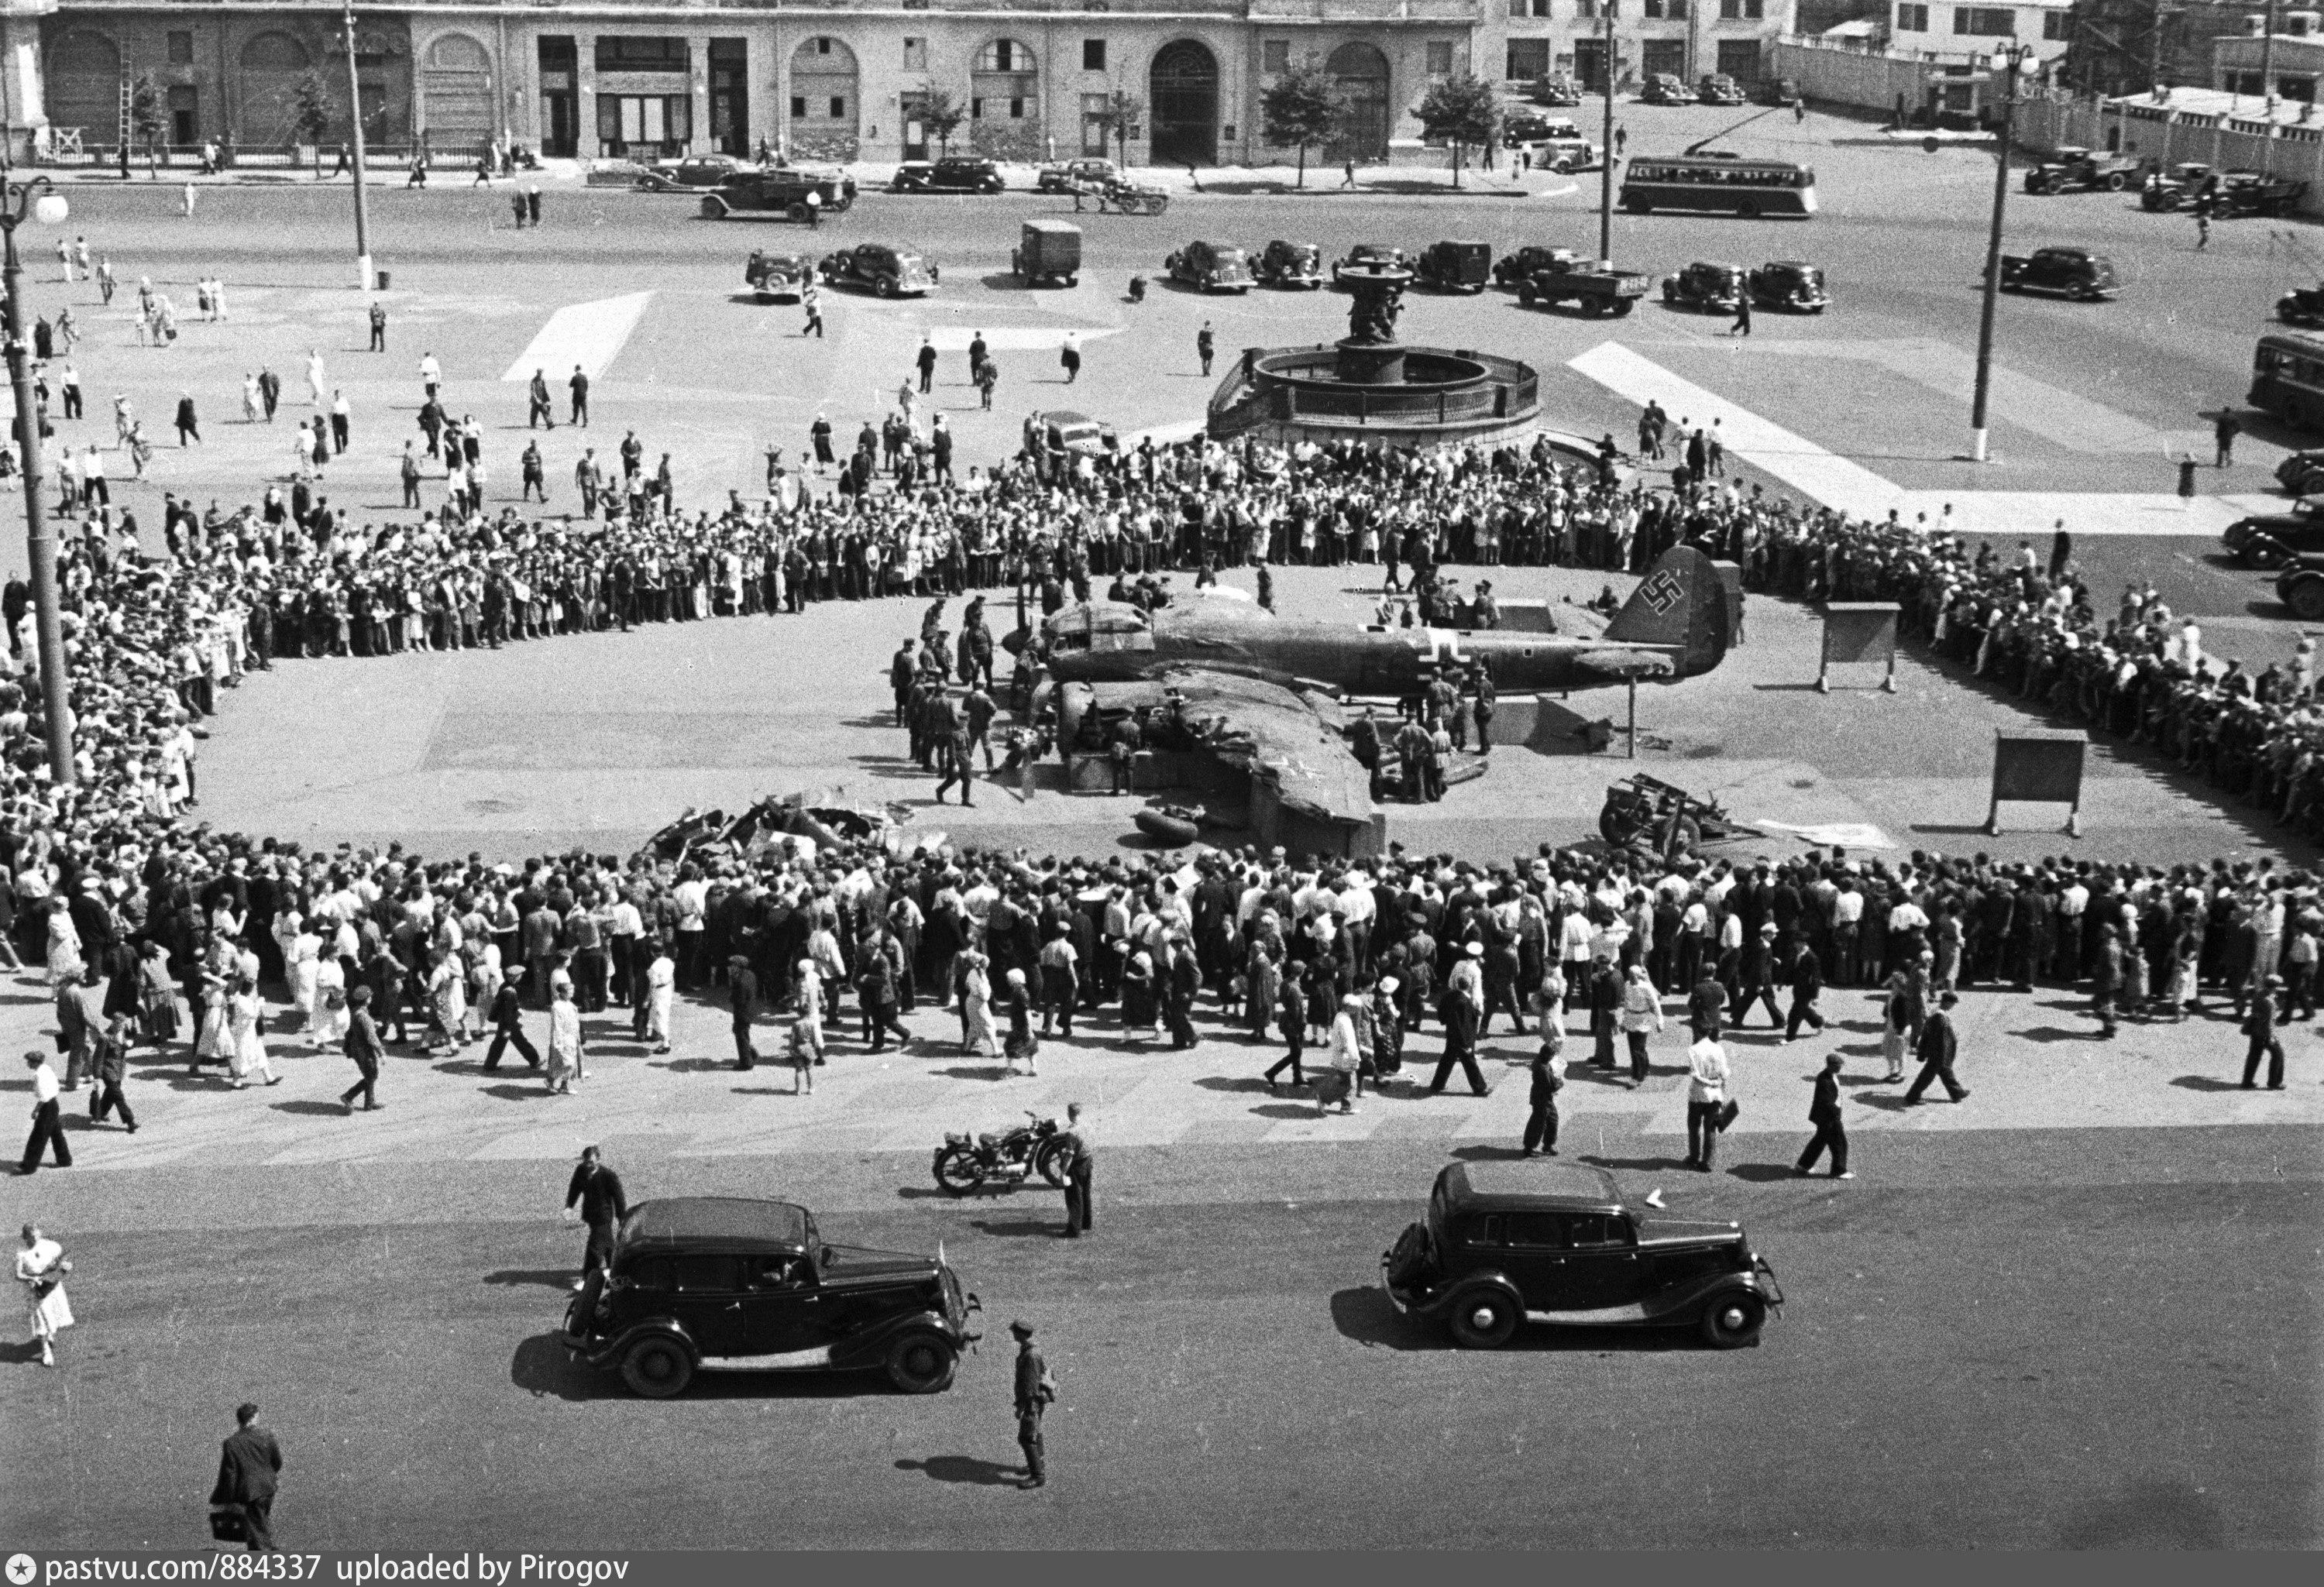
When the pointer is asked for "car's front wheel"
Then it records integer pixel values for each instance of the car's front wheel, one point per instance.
(921, 1362)
(1734, 1320)
(657, 1368)
(1482, 1318)
(2307, 600)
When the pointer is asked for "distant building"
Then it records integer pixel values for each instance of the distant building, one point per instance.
(2126, 46)
(1685, 38)
(1944, 30)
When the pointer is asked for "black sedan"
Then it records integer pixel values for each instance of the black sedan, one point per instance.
(700, 171)
(1705, 285)
(2271, 540)
(1790, 285)
(1210, 267)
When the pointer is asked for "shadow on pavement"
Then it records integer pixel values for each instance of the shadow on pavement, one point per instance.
(1488, 1154)
(1369, 1317)
(2049, 1033)
(2204, 1083)
(546, 1277)
(1018, 1228)
(1640, 1165)
(965, 1468)
(1759, 1173)
(311, 1110)
(540, 1367)
(516, 1093)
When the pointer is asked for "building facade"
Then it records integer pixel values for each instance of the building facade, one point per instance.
(1686, 37)
(1942, 30)
(815, 81)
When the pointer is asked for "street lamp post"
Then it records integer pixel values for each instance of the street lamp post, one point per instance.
(1605, 155)
(18, 199)
(354, 122)
(2011, 61)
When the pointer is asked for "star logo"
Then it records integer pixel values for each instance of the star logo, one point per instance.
(22, 1570)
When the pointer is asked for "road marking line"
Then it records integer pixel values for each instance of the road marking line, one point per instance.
(590, 335)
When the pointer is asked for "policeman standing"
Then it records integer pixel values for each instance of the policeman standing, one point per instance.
(1035, 1390)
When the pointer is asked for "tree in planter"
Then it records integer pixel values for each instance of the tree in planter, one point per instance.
(1462, 111)
(1122, 111)
(1302, 107)
(312, 109)
(940, 118)
(145, 112)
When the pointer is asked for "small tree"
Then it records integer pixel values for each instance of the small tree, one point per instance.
(311, 108)
(1302, 107)
(145, 110)
(1122, 111)
(1463, 110)
(940, 118)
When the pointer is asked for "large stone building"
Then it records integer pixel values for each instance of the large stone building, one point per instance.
(823, 80)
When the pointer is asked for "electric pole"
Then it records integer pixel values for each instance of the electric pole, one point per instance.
(1605, 158)
(355, 121)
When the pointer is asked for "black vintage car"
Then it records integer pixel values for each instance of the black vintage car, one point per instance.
(1210, 267)
(1282, 263)
(956, 175)
(1067, 176)
(2301, 306)
(1517, 266)
(2300, 586)
(888, 271)
(1791, 286)
(781, 192)
(2271, 540)
(1556, 90)
(2302, 472)
(2230, 194)
(2070, 272)
(727, 1284)
(1366, 256)
(1511, 1242)
(1705, 285)
(2083, 170)
(775, 276)
(696, 171)
(1455, 266)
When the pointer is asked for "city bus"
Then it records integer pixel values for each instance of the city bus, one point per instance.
(1730, 183)
(2288, 378)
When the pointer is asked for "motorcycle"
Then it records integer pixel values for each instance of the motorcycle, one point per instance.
(1010, 1156)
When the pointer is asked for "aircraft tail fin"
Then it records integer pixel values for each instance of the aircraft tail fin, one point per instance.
(1684, 601)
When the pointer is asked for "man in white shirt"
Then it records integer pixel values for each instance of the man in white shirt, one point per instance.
(47, 1128)
(1706, 1098)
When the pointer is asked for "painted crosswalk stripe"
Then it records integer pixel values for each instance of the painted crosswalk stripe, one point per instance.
(590, 335)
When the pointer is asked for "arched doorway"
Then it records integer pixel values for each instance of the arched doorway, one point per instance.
(83, 89)
(271, 65)
(1362, 72)
(823, 100)
(458, 89)
(1183, 99)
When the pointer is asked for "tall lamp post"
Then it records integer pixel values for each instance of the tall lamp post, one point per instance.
(1606, 156)
(2010, 62)
(355, 120)
(18, 199)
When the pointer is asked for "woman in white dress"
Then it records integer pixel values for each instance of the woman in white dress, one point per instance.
(302, 951)
(250, 399)
(212, 1041)
(249, 1056)
(564, 1045)
(41, 1268)
(978, 1037)
(328, 1027)
(64, 946)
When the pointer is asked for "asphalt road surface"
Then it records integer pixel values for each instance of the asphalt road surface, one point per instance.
(2022, 1339)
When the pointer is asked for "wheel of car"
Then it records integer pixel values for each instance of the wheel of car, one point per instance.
(657, 1368)
(1073, 281)
(2307, 600)
(1525, 296)
(1670, 294)
(920, 1361)
(958, 1173)
(1562, 167)
(795, 212)
(1624, 307)
(1733, 1320)
(2116, 182)
(1593, 306)
(1636, 206)
(713, 207)
(1482, 1318)
(2265, 557)
(2309, 484)
(1748, 210)
(883, 286)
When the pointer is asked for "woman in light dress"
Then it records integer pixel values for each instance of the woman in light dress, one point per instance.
(214, 1038)
(64, 946)
(332, 1017)
(249, 1051)
(302, 952)
(564, 1045)
(978, 1037)
(41, 1268)
(250, 400)
(661, 988)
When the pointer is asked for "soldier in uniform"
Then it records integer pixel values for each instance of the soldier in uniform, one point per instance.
(950, 737)
(1035, 1390)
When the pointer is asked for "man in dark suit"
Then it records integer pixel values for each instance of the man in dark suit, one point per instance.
(2260, 1026)
(508, 1023)
(743, 983)
(1938, 1043)
(1807, 984)
(1823, 1113)
(249, 1463)
(597, 1191)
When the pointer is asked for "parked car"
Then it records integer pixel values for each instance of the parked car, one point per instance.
(2231, 194)
(1062, 429)
(1511, 1242)
(1297, 265)
(1066, 175)
(2271, 540)
(1664, 87)
(1456, 266)
(1559, 145)
(2302, 473)
(1716, 88)
(1366, 256)
(781, 192)
(775, 276)
(1705, 284)
(1047, 250)
(725, 1284)
(1588, 283)
(1557, 90)
(882, 267)
(1779, 91)
(1517, 266)
(1210, 267)
(2301, 306)
(2176, 187)
(696, 171)
(2300, 586)
(1791, 285)
(2083, 170)
(956, 175)
(2070, 272)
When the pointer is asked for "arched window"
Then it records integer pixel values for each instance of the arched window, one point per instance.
(823, 84)
(1003, 82)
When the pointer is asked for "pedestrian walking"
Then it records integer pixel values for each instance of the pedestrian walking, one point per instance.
(378, 316)
(1347, 172)
(2259, 1025)
(1742, 326)
(109, 1071)
(1706, 1100)
(189, 428)
(1642, 1016)
(1547, 1080)
(2225, 428)
(250, 1469)
(1461, 1006)
(926, 361)
(1036, 1391)
(363, 1046)
(596, 1190)
(507, 1016)
(533, 205)
(1081, 1173)
(579, 386)
(342, 418)
(1343, 1059)
(40, 1268)
(811, 301)
(1069, 354)
(2202, 225)
(1830, 1132)
(1207, 342)
(565, 1039)
(988, 375)
(1938, 1044)
(47, 1124)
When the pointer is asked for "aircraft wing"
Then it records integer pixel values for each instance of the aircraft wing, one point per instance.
(1291, 738)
